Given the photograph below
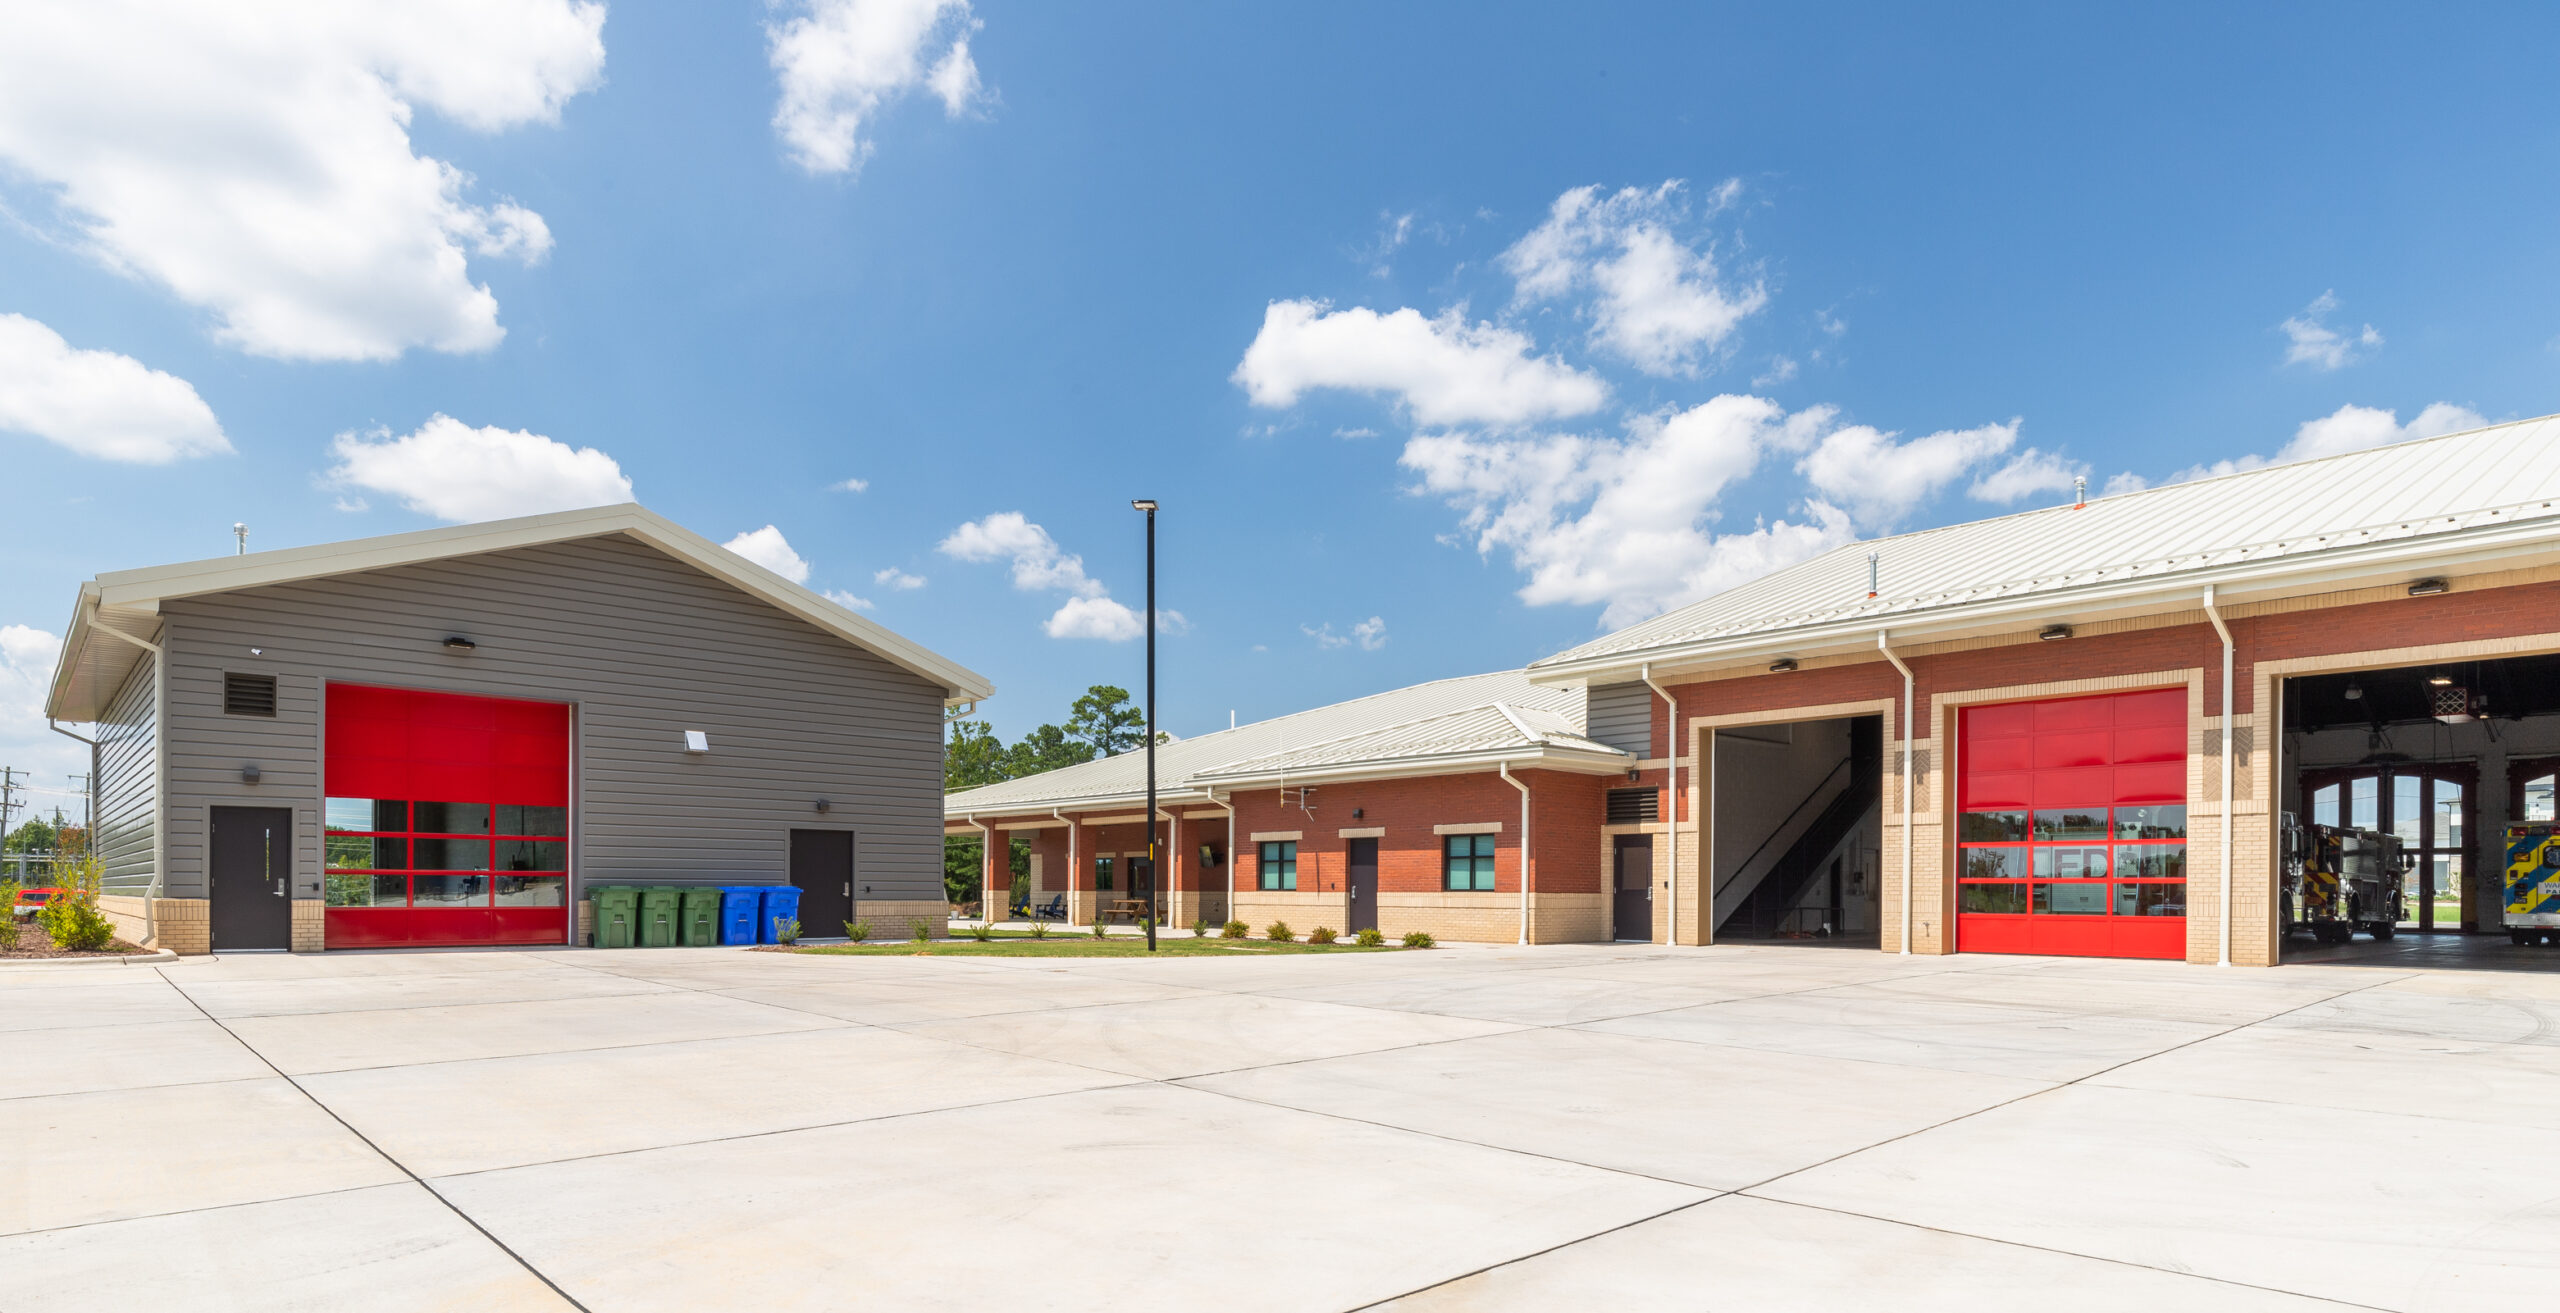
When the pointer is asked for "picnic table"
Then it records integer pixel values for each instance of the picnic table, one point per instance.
(1128, 909)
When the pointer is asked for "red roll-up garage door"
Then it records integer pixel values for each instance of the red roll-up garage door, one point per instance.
(2072, 826)
(447, 819)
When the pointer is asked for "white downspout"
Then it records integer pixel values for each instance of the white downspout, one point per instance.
(159, 783)
(1070, 890)
(2224, 630)
(1215, 800)
(1505, 768)
(1671, 759)
(1883, 646)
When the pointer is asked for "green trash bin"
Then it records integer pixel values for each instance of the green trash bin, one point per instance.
(661, 916)
(701, 918)
(617, 915)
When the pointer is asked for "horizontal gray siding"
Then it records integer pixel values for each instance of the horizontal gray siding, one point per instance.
(128, 786)
(1621, 715)
(645, 647)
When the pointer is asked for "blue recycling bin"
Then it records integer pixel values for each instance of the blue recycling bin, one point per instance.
(781, 903)
(738, 910)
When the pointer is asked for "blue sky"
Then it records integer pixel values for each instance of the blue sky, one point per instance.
(1022, 262)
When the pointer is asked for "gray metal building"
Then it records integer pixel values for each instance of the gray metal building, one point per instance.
(449, 736)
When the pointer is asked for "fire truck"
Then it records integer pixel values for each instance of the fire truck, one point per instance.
(2533, 883)
(2340, 880)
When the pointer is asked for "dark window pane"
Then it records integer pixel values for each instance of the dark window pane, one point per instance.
(1994, 863)
(2162, 898)
(451, 817)
(354, 889)
(1991, 827)
(2068, 863)
(2071, 899)
(365, 814)
(1102, 874)
(533, 855)
(2153, 861)
(451, 890)
(2071, 822)
(348, 852)
(532, 891)
(2005, 898)
(2160, 822)
(515, 819)
(452, 854)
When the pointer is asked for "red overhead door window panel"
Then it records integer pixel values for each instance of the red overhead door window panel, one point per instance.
(447, 819)
(2071, 826)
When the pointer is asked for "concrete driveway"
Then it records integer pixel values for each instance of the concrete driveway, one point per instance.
(1469, 1128)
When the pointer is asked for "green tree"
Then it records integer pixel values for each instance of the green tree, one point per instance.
(973, 757)
(1044, 749)
(38, 835)
(1104, 719)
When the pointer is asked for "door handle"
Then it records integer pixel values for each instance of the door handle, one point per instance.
(280, 887)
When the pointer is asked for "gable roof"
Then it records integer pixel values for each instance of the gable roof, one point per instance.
(95, 664)
(1448, 724)
(2362, 518)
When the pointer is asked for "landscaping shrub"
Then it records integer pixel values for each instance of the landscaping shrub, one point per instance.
(1039, 929)
(786, 930)
(1199, 928)
(72, 919)
(1416, 939)
(857, 931)
(1280, 932)
(1370, 938)
(920, 930)
(1236, 930)
(1099, 930)
(1322, 934)
(983, 931)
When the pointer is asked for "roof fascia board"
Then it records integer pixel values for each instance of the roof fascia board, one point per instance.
(1165, 796)
(2240, 582)
(1579, 761)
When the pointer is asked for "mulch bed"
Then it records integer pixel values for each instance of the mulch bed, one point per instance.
(30, 940)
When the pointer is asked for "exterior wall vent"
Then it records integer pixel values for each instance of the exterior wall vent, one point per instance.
(1634, 806)
(248, 695)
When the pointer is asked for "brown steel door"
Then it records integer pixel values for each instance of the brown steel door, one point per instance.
(1634, 882)
(822, 869)
(252, 878)
(1361, 881)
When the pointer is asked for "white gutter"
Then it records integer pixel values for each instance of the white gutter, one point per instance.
(159, 784)
(2218, 627)
(1671, 758)
(1505, 768)
(1881, 646)
(1072, 828)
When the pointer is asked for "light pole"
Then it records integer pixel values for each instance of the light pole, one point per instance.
(1154, 859)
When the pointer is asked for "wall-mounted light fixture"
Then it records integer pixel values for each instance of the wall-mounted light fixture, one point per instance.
(257, 651)
(2440, 679)
(457, 643)
(2355, 692)
(1357, 813)
(696, 741)
(2052, 632)
(1633, 774)
(825, 806)
(1782, 665)
(2429, 588)
(249, 773)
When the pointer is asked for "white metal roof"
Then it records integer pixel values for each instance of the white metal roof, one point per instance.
(93, 666)
(2489, 494)
(1477, 736)
(1122, 780)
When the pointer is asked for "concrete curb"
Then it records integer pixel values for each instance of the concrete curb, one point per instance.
(122, 960)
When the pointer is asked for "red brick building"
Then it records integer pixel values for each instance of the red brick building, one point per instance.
(2087, 729)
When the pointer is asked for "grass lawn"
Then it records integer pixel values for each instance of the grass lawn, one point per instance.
(1083, 945)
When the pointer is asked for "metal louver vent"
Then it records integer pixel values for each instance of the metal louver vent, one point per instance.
(1634, 806)
(248, 695)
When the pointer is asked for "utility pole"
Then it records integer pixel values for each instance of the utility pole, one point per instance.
(88, 809)
(8, 797)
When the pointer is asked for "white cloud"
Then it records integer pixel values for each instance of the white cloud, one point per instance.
(2348, 428)
(1658, 302)
(847, 600)
(899, 579)
(255, 159)
(1880, 480)
(766, 547)
(850, 485)
(840, 61)
(1781, 369)
(98, 403)
(452, 471)
(1443, 371)
(1369, 635)
(2026, 474)
(2310, 341)
(2126, 481)
(1039, 565)
(1628, 522)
